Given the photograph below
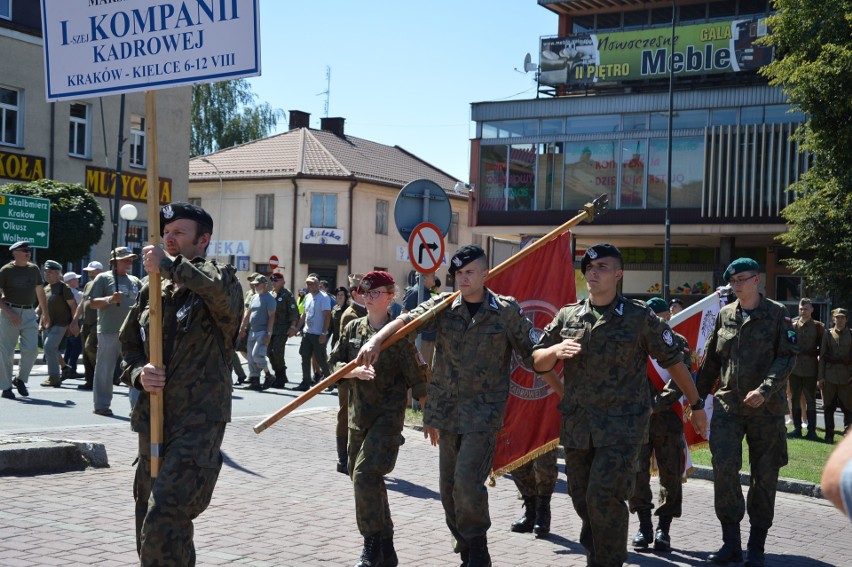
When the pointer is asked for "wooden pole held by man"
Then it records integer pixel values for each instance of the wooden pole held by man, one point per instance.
(590, 211)
(155, 299)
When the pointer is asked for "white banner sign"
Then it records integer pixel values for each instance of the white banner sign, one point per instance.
(323, 236)
(95, 48)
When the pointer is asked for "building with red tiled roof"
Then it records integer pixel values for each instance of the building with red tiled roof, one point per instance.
(319, 200)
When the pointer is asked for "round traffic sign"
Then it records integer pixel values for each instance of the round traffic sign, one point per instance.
(422, 200)
(426, 248)
(273, 262)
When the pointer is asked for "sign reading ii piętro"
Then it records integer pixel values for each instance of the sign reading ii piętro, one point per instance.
(95, 48)
(24, 218)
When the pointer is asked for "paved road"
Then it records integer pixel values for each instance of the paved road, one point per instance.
(279, 502)
(67, 406)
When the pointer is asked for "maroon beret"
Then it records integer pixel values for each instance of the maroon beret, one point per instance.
(376, 279)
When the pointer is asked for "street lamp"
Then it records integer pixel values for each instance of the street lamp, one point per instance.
(219, 173)
(128, 212)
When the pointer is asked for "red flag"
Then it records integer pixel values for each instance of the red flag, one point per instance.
(695, 323)
(532, 421)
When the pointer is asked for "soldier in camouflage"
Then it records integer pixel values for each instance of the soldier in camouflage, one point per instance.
(834, 371)
(605, 342)
(202, 308)
(666, 443)
(750, 354)
(356, 310)
(376, 414)
(286, 319)
(536, 481)
(468, 392)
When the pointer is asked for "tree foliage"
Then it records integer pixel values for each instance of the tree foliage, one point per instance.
(813, 40)
(225, 114)
(76, 219)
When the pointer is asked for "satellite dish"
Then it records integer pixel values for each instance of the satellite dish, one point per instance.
(529, 65)
(458, 187)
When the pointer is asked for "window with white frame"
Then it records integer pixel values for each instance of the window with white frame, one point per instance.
(137, 140)
(382, 208)
(324, 210)
(264, 211)
(79, 130)
(6, 9)
(10, 116)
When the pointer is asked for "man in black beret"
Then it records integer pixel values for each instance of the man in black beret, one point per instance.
(201, 311)
(467, 396)
(604, 342)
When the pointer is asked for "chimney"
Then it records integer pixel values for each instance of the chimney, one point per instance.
(333, 125)
(299, 119)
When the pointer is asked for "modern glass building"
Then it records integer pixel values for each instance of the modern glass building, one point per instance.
(600, 125)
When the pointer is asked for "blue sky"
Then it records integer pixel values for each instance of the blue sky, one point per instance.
(402, 73)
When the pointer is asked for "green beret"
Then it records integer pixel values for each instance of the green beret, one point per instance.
(52, 265)
(739, 266)
(657, 305)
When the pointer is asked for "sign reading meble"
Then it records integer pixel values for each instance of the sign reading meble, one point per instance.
(101, 47)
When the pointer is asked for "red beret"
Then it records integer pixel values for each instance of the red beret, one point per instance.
(376, 279)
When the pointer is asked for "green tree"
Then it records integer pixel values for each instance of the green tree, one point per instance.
(227, 113)
(813, 41)
(76, 219)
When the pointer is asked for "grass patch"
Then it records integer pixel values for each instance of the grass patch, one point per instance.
(805, 458)
(413, 417)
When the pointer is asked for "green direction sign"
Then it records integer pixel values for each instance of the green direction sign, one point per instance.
(24, 218)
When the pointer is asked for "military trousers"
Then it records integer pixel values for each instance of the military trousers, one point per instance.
(836, 396)
(276, 353)
(667, 448)
(372, 455)
(342, 429)
(537, 477)
(464, 462)
(803, 385)
(767, 449)
(89, 334)
(27, 334)
(600, 480)
(167, 505)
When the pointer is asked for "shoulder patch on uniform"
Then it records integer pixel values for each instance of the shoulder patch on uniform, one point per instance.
(791, 336)
(668, 337)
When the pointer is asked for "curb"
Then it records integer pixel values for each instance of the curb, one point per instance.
(38, 455)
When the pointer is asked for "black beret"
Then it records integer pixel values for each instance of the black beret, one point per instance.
(598, 251)
(175, 211)
(464, 256)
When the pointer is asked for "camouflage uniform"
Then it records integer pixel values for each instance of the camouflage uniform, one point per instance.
(537, 477)
(606, 411)
(376, 416)
(804, 377)
(467, 399)
(354, 311)
(286, 315)
(200, 321)
(745, 353)
(666, 443)
(834, 368)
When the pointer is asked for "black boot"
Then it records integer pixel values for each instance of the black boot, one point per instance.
(812, 423)
(478, 550)
(342, 456)
(542, 515)
(371, 555)
(756, 541)
(662, 541)
(732, 547)
(254, 383)
(525, 523)
(645, 535)
(391, 560)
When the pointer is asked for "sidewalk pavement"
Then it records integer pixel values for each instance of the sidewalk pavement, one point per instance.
(280, 502)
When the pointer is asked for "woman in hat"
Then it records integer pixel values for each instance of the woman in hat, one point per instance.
(376, 412)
